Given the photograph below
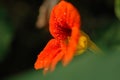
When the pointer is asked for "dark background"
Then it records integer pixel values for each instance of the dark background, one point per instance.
(21, 40)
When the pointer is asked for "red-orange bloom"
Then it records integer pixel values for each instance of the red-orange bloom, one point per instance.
(64, 27)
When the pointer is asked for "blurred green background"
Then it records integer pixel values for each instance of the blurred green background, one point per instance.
(21, 41)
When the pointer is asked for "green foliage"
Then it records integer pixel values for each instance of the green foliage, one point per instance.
(84, 67)
(117, 8)
(5, 33)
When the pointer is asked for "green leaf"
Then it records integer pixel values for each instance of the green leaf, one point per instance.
(117, 8)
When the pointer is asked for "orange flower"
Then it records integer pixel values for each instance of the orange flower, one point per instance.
(64, 27)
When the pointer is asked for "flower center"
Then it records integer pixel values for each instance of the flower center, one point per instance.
(60, 31)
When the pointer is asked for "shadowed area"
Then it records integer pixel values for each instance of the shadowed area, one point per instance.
(21, 41)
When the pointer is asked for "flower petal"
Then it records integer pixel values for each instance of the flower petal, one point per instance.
(47, 54)
(72, 46)
(57, 58)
